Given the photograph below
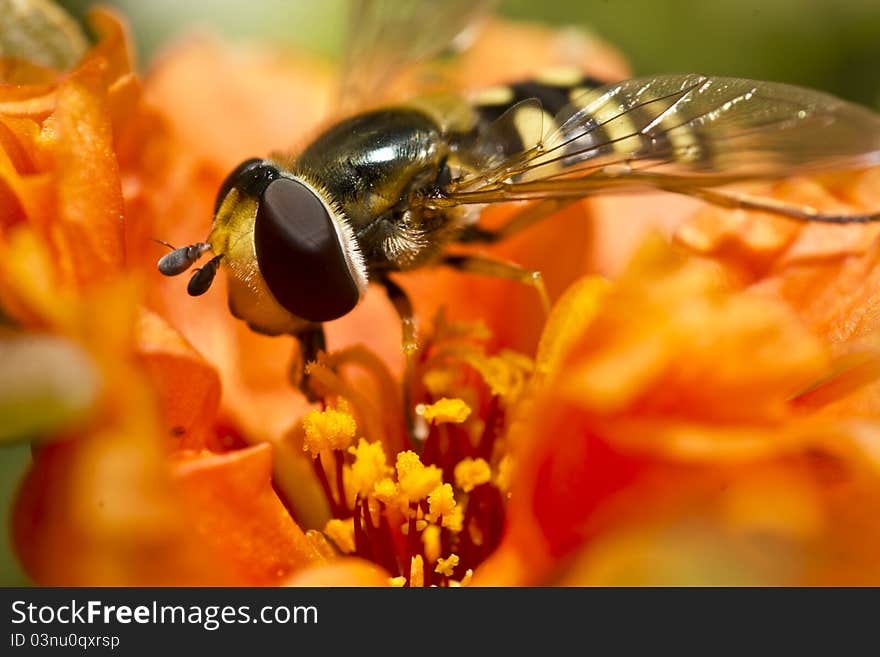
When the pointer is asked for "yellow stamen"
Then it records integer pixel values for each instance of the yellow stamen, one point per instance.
(418, 485)
(431, 541)
(407, 462)
(476, 534)
(505, 474)
(470, 473)
(440, 381)
(416, 571)
(416, 480)
(385, 490)
(455, 520)
(446, 566)
(348, 486)
(341, 532)
(369, 467)
(445, 410)
(505, 374)
(420, 525)
(328, 430)
(574, 311)
(441, 502)
(398, 582)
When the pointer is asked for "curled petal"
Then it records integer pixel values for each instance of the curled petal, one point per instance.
(88, 233)
(238, 517)
(188, 387)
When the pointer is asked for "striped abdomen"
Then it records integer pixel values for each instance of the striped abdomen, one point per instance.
(526, 122)
(587, 119)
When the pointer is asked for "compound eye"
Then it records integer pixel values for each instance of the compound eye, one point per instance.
(300, 255)
(249, 177)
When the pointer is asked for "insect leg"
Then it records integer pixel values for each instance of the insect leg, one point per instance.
(312, 341)
(526, 217)
(490, 267)
(402, 304)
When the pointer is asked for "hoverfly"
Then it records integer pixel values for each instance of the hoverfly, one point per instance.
(387, 190)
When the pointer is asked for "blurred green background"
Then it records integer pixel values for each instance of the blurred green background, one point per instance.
(827, 44)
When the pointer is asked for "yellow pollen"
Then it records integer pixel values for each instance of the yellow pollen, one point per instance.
(420, 525)
(398, 582)
(470, 473)
(445, 410)
(416, 571)
(468, 576)
(416, 481)
(348, 486)
(476, 534)
(385, 490)
(440, 381)
(504, 474)
(418, 484)
(441, 502)
(369, 467)
(505, 374)
(446, 566)
(431, 541)
(407, 462)
(341, 532)
(455, 520)
(328, 430)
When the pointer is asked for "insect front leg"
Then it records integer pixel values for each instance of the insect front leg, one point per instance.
(489, 267)
(402, 304)
(409, 343)
(312, 341)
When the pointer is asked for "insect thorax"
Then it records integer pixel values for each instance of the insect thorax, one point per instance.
(371, 166)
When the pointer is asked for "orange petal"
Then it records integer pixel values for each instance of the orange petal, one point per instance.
(670, 326)
(188, 387)
(113, 48)
(34, 102)
(491, 60)
(678, 382)
(88, 231)
(249, 101)
(236, 514)
(772, 523)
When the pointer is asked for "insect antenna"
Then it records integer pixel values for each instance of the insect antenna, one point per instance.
(180, 259)
(203, 277)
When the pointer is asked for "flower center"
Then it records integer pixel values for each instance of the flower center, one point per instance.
(429, 514)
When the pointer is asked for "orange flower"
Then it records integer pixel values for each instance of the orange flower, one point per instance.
(132, 496)
(703, 411)
(692, 442)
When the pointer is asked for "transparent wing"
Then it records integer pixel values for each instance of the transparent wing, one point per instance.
(680, 132)
(387, 38)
